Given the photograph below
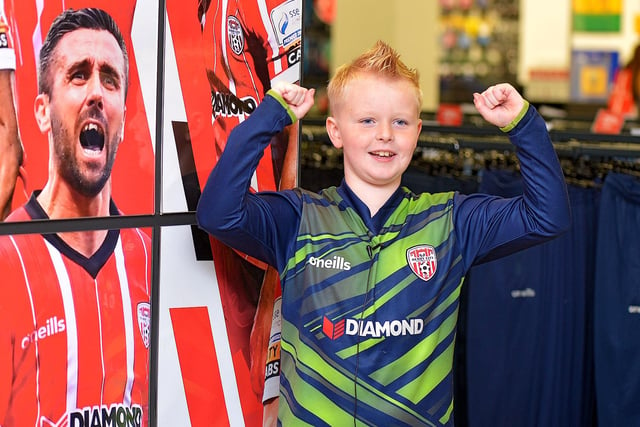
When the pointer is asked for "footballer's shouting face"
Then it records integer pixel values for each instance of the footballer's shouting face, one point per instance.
(84, 113)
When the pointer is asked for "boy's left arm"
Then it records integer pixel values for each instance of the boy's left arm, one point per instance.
(490, 226)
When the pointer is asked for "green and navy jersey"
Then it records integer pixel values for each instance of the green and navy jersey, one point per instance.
(370, 318)
(370, 303)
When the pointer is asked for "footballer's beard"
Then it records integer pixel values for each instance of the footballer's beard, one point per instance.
(69, 167)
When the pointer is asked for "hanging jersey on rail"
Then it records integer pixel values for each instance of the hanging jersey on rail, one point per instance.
(527, 359)
(617, 303)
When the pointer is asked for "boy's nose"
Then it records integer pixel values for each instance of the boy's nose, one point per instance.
(385, 132)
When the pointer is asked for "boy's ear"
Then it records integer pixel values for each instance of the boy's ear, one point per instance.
(334, 132)
(41, 111)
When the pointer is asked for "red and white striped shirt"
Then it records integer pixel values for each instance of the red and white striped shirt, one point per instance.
(75, 331)
(248, 46)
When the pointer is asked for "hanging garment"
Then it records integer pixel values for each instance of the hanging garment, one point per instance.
(526, 349)
(617, 303)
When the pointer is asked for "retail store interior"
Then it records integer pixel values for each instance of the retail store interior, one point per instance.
(548, 336)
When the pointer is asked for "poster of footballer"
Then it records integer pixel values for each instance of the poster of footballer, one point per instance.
(217, 305)
(111, 143)
(77, 81)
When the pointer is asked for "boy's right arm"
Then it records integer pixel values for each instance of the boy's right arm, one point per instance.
(249, 222)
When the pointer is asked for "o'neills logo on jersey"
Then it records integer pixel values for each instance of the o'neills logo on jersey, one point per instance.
(229, 105)
(422, 261)
(335, 263)
(116, 415)
(52, 326)
(523, 293)
(372, 329)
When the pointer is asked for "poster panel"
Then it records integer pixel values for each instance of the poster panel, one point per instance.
(592, 75)
(75, 330)
(75, 306)
(198, 384)
(220, 59)
(25, 25)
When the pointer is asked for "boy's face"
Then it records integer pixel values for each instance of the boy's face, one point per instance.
(377, 124)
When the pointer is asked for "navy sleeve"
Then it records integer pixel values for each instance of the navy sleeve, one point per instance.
(261, 225)
(489, 227)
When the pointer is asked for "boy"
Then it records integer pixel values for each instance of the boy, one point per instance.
(370, 272)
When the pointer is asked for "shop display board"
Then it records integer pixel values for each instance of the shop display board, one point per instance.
(216, 305)
(76, 332)
(111, 171)
(478, 46)
(77, 162)
(132, 175)
(592, 75)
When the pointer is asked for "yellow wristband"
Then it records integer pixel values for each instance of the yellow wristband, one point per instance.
(282, 102)
(519, 117)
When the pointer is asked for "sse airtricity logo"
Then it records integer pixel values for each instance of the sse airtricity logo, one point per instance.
(283, 23)
(286, 20)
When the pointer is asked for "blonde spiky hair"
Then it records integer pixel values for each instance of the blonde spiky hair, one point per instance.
(381, 60)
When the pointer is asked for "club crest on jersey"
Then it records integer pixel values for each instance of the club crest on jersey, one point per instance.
(144, 322)
(235, 36)
(423, 261)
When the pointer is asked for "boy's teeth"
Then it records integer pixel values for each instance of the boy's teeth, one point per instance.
(382, 153)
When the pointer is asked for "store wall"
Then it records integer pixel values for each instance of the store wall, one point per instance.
(411, 27)
(547, 38)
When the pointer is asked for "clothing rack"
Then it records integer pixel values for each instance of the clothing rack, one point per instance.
(463, 152)
(566, 143)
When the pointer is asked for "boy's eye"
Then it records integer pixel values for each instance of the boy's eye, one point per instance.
(366, 121)
(401, 122)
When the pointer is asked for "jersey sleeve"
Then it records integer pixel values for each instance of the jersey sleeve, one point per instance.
(263, 224)
(490, 227)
